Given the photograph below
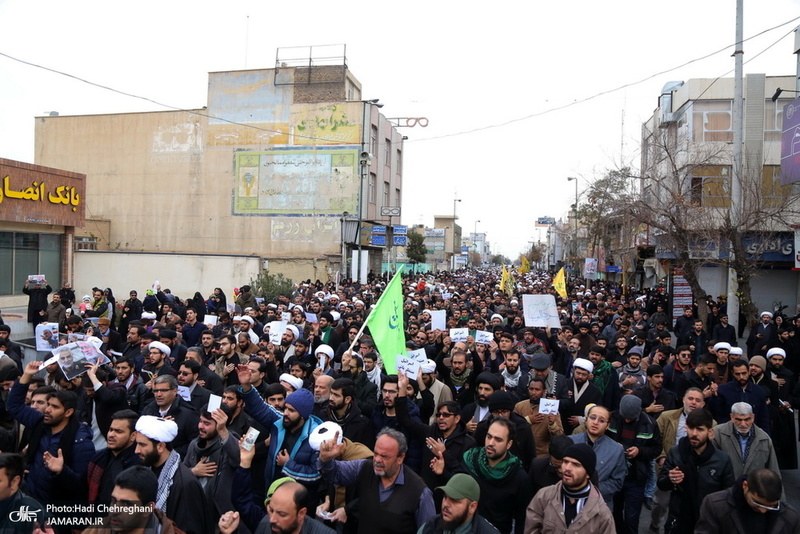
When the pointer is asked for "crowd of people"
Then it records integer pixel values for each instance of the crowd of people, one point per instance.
(207, 424)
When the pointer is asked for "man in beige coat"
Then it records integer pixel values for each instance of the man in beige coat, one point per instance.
(574, 504)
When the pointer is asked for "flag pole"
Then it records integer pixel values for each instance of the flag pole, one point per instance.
(366, 320)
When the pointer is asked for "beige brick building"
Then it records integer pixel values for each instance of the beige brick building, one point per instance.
(276, 172)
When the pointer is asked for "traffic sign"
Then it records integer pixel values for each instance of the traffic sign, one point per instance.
(378, 240)
(400, 230)
(400, 240)
(379, 230)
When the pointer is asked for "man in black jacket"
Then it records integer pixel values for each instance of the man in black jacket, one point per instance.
(113, 460)
(446, 437)
(167, 403)
(694, 468)
(501, 404)
(188, 375)
(460, 498)
(752, 505)
(180, 495)
(344, 411)
(639, 436)
(136, 392)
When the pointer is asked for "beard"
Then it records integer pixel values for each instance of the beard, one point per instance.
(151, 458)
(456, 521)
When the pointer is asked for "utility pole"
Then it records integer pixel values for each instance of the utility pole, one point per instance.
(738, 149)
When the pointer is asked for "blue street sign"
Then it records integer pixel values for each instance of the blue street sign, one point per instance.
(400, 241)
(378, 240)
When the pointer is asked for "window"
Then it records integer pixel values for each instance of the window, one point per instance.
(772, 192)
(773, 120)
(85, 243)
(710, 186)
(397, 197)
(386, 194)
(712, 121)
(374, 140)
(399, 165)
(23, 254)
(387, 153)
(372, 193)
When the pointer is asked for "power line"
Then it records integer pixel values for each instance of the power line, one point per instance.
(464, 132)
(609, 91)
(156, 102)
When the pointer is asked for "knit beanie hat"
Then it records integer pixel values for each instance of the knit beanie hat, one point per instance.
(760, 361)
(583, 454)
(629, 407)
(301, 400)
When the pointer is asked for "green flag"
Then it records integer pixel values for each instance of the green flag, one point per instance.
(386, 323)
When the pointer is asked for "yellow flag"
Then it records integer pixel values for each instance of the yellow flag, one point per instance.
(526, 265)
(560, 283)
(507, 282)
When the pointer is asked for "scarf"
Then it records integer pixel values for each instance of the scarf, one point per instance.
(602, 375)
(458, 381)
(477, 463)
(165, 479)
(573, 501)
(511, 380)
(374, 376)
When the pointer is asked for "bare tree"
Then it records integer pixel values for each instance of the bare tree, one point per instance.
(683, 196)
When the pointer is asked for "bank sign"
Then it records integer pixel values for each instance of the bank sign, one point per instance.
(41, 195)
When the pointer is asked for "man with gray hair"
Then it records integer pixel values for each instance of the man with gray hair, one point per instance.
(749, 447)
(402, 502)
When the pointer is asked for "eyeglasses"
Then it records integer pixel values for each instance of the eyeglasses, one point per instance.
(444, 414)
(157, 391)
(598, 419)
(764, 506)
(389, 391)
(184, 373)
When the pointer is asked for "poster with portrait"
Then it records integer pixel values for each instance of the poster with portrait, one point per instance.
(46, 336)
(73, 357)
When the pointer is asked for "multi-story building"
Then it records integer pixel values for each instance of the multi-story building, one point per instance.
(285, 169)
(687, 173)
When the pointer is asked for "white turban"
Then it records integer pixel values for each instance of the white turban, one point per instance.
(296, 383)
(776, 351)
(735, 351)
(325, 349)
(248, 319)
(428, 367)
(722, 346)
(583, 363)
(336, 316)
(157, 428)
(148, 315)
(160, 346)
(237, 318)
(293, 329)
(763, 313)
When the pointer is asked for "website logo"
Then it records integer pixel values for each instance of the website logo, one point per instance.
(24, 514)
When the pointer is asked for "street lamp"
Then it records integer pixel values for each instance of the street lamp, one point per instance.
(575, 236)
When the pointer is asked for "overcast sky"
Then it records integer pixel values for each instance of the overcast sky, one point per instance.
(462, 67)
